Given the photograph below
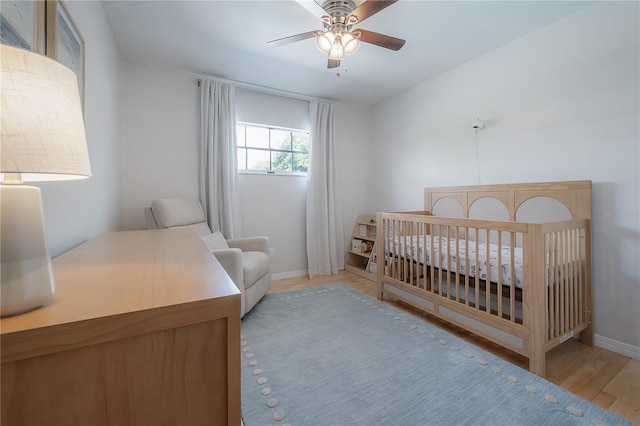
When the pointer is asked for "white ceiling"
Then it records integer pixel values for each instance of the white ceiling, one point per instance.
(228, 40)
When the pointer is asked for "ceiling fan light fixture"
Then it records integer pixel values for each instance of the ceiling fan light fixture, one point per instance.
(350, 42)
(337, 50)
(325, 40)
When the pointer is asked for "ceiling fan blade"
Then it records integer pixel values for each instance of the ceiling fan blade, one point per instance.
(291, 39)
(313, 7)
(381, 40)
(368, 8)
(333, 63)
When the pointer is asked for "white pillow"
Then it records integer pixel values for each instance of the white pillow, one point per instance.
(215, 241)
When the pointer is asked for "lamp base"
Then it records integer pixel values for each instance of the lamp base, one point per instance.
(27, 278)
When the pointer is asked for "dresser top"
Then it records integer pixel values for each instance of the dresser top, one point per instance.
(127, 280)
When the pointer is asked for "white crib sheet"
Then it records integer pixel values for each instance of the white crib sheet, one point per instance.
(459, 257)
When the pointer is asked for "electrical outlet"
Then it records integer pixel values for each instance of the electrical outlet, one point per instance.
(272, 252)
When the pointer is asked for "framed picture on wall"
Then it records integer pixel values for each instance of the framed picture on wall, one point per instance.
(22, 24)
(64, 41)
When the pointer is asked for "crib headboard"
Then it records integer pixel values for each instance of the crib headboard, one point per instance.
(575, 195)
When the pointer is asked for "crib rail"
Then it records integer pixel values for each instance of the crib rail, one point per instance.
(491, 271)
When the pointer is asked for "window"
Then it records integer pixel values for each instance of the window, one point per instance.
(272, 149)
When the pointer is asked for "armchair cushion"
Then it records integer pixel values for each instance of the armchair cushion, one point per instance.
(170, 212)
(215, 241)
(255, 264)
(176, 212)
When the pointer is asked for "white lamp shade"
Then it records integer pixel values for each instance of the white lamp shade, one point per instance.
(42, 128)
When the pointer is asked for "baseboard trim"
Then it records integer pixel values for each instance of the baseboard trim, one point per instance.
(617, 346)
(290, 274)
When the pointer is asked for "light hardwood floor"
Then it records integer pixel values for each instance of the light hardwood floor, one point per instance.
(607, 379)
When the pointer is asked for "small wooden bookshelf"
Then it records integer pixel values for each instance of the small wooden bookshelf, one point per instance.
(360, 255)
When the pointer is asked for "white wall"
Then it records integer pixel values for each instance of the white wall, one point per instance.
(561, 103)
(76, 211)
(160, 124)
(275, 206)
(354, 152)
(160, 116)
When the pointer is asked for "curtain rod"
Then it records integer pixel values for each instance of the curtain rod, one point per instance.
(266, 90)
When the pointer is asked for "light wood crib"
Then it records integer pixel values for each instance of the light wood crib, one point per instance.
(525, 286)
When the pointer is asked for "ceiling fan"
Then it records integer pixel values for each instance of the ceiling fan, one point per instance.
(338, 38)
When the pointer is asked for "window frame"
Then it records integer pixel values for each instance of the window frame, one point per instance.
(271, 150)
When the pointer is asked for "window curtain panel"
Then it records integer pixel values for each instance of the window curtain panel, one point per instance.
(324, 208)
(218, 164)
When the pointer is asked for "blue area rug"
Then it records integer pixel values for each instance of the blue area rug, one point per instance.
(334, 356)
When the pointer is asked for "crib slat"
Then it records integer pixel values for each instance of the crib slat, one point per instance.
(439, 260)
(403, 233)
(466, 266)
(581, 278)
(390, 228)
(448, 263)
(499, 291)
(476, 275)
(512, 295)
(457, 271)
(391, 243)
(444, 258)
(392, 265)
(405, 270)
(565, 278)
(487, 282)
(422, 261)
(574, 319)
(561, 284)
(432, 252)
(553, 284)
(409, 259)
(408, 262)
(415, 234)
(548, 292)
(570, 281)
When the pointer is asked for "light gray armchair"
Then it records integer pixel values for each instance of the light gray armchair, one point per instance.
(246, 260)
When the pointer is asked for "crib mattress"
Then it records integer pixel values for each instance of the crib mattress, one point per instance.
(462, 258)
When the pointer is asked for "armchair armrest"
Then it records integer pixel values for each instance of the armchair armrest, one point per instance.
(231, 261)
(250, 244)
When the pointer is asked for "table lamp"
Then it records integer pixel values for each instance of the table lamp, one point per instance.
(42, 138)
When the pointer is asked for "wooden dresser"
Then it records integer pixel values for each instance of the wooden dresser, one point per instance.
(143, 329)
